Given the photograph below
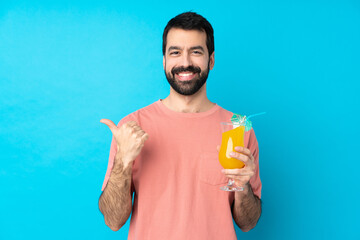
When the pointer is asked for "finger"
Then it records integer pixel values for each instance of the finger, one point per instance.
(140, 134)
(109, 123)
(145, 137)
(244, 178)
(241, 157)
(242, 174)
(218, 148)
(136, 128)
(243, 171)
(135, 131)
(243, 150)
(132, 124)
(240, 181)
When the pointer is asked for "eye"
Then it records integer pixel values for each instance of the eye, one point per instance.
(174, 53)
(196, 52)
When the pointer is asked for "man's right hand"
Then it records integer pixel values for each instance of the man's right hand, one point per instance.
(130, 139)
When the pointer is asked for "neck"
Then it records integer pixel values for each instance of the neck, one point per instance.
(195, 103)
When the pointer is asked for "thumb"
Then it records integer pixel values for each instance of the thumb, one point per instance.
(109, 123)
(145, 137)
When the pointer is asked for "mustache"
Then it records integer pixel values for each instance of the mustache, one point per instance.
(192, 69)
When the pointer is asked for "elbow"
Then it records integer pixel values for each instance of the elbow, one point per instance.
(114, 223)
(250, 225)
(114, 226)
(247, 228)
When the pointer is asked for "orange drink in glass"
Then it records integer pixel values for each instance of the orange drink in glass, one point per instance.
(232, 136)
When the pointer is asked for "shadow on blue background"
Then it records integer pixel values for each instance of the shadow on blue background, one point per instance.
(64, 66)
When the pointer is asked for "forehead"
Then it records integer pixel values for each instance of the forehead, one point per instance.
(185, 38)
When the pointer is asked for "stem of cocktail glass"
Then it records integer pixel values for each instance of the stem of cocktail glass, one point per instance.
(231, 182)
(232, 185)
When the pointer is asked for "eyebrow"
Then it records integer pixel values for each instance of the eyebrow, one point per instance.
(179, 48)
(174, 48)
(197, 47)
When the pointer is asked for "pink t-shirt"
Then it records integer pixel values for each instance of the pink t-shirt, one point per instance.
(177, 176)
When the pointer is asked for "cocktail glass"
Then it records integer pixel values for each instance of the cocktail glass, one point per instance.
(232, 136)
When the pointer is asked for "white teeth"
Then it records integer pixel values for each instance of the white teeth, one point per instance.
(185, 74)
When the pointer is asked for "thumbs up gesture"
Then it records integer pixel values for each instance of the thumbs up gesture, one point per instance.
(130, 139)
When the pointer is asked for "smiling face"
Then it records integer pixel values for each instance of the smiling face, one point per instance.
(186, 61)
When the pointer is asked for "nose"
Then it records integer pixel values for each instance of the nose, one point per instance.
(186, 60)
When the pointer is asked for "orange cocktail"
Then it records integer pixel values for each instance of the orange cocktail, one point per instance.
(231, 138)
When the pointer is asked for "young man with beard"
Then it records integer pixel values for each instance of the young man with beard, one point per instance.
(166, 153)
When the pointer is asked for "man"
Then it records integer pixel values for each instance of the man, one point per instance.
(166, 153)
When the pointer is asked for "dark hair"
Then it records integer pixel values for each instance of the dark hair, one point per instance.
(191, 21)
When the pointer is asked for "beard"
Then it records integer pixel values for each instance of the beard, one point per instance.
(190, 87)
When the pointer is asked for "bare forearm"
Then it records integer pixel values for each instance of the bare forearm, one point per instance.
(115, 201)
(246, 209)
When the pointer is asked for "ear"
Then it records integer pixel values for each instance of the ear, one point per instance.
(212, 61)
(164, 62)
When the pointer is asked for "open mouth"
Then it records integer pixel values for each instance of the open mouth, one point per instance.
(185, 73)
(185, 76)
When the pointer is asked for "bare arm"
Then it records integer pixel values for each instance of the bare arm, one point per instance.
(246, 209)
(115, 202)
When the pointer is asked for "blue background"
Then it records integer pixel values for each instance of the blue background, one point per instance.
(64, 65)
